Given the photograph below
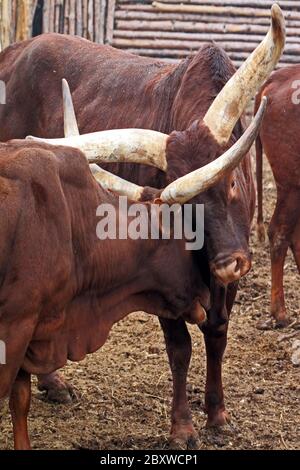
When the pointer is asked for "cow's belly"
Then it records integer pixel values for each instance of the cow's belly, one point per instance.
(80, 329)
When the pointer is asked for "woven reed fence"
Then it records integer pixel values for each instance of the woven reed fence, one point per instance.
(169, 29)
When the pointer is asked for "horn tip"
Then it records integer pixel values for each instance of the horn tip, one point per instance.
(264, 103)
(278, 25)
(65, 84)
(262, 109)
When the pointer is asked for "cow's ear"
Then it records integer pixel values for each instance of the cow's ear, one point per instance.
(158, 201)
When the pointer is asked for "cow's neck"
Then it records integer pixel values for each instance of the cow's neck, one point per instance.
(106, 265)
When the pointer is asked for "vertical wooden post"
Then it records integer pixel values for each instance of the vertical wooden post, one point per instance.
(72, 17)
(66, 14)
(5, 23)
(51, 15)
(110, 20)
(85, 18)
(97, 20)
(46, 16)
(23, 19)
(101, 24)
(79, 18)
(90, 20)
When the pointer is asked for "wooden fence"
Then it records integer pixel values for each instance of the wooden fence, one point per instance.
(174, 28)
(169, 29)
(15, 20)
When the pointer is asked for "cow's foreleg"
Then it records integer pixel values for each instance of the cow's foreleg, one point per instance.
(179, 349)
(215, 345)
(215, 336)
(57, 389)
(19, 404)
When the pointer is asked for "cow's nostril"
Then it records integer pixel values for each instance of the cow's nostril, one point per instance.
(239, 263)
(230, 268)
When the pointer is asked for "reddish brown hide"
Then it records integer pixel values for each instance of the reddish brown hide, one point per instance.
(283, 154)
(114, 89)
(62, 288)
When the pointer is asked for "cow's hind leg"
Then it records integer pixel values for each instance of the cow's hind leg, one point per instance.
(179, 349)
(57, 389)
(295, 245)
(19, 404)
(280, 233)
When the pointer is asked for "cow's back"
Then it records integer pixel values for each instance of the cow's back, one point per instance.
(110, 89)
(102, 79)
(280, 128)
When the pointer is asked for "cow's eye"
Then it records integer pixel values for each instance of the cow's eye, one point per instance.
(233, 184)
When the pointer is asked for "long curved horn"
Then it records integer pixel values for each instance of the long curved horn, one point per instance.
(118, 145)
(70, 123)
(228, 106)
(112, 146)
(116, 184)
(198, 181)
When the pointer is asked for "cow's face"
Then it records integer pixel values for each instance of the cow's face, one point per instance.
(226, 205)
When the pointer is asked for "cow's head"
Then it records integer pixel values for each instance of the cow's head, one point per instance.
(201, 162)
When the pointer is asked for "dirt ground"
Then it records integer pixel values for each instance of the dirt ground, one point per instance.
(126, 386)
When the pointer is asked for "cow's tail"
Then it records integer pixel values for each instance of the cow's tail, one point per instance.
(260, 227)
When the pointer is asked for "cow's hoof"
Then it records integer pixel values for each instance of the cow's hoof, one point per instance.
(218, 419)
(62, 396)
(282, 323)
(56, 389)
(184, 437)
(265, 324)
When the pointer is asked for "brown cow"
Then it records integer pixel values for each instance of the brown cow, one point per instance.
(114, 89)
(282, 90)
(62, 288)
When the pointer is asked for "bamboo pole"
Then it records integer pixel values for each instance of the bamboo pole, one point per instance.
(56, 17)
(97, 26)
(72, 25)
(23, 19)
(46, 15)
(65, 13)
(90, 21)
(110, 20)
(51, 15)
(102, 21)
(13, 20)
(84, 18)
(78, 30)
(5, 24)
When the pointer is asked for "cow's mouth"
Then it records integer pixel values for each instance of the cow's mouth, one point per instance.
(230, 268)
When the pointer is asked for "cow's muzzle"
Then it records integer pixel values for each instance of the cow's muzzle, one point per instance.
(230, 268)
